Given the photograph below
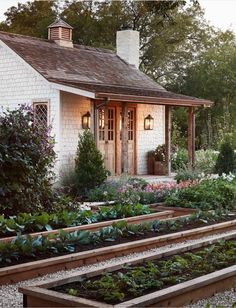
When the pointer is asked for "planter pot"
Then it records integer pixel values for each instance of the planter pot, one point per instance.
(160, 168)
(151, 161)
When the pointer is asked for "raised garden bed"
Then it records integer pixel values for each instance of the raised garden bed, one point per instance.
(14, 273)
(25, 223)
(178, 211)
(96, 226)
(157, 280)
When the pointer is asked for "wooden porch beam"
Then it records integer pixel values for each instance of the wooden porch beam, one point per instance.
(155, 100)
(191, 136)
(168, 138)
(124, 143)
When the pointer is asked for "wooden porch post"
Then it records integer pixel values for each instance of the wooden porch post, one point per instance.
(124, 134)
(191, 136)
(168, 138)
(93, 119)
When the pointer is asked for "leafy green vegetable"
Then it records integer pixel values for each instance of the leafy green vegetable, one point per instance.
(66, 242)
(24, 222)
(136, 280)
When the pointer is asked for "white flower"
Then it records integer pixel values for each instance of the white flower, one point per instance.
(228, 177)
(84, 207)
(202, 175)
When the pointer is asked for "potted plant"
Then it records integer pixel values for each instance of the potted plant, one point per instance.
(160, 167)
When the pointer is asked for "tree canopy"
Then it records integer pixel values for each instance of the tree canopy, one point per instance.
(213, 76)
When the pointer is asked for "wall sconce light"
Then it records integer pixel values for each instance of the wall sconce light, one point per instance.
(86, 119)
(148, 122)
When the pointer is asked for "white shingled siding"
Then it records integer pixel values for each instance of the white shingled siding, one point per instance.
(21, 84)
(148, 140)
(73, 107)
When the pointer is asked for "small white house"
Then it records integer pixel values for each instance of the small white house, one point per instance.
(72, 87)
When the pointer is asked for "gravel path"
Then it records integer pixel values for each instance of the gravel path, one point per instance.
(9, 296)
(224, 299)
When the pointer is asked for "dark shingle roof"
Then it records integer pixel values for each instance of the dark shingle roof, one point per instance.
(60, 23)
(84, 67)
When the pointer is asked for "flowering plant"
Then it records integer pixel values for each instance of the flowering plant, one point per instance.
(160, 153)
(128, 194)
(157, 192)
(225, 177)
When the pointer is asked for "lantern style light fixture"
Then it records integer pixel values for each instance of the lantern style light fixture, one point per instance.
(148, 122)
(86, 119)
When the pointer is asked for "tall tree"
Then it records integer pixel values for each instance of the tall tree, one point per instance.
(31, 18)
(213, 76)
(171, 32)
(96, 23)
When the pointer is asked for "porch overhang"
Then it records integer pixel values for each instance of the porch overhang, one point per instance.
(154, 100)
(129, 94)
(104, 94)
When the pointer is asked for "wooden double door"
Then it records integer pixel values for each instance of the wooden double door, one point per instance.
(109, 138)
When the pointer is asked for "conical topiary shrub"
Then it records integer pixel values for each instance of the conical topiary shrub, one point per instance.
(226, 160)
(89, 164)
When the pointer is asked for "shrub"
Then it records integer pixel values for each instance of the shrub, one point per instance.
(187, 173)
(68, 181)
(26, 162)
(89, 164)
(110, 190)
(179, 159)
(105, 192)
(226, 160)
(127, 195)
(205, 161)
(207, 195)
(137, 182)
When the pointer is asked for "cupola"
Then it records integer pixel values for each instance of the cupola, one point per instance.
(61, 33)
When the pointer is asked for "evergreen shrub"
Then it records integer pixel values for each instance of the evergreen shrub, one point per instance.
(226, 160)
(89, 164)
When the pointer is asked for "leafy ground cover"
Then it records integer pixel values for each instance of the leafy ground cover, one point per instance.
(25, 248)
(208, 194)
(134, 281)
(26, 223)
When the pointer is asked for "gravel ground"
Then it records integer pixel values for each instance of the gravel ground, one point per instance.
(9, 296)
(223, 299)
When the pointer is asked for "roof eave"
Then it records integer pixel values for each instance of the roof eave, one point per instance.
(155, 100)
(65, 88)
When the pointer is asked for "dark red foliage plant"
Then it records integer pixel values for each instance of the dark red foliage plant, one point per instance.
(26, 163)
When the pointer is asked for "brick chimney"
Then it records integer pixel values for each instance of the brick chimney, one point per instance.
(127, 46)
(61, 33)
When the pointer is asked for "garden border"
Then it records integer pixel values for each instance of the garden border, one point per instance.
(15, 273)
(177, 295)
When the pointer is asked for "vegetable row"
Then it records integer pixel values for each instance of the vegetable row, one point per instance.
(26, 223)
(24, 246)
(135, 281)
